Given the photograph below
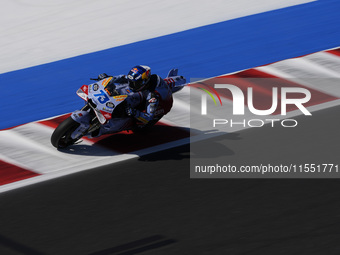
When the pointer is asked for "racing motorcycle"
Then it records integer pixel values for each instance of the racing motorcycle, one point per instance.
(100, 107)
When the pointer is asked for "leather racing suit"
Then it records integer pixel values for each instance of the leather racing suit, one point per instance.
(146, 107)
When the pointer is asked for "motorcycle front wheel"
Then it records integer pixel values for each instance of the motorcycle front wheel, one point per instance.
(61, 137)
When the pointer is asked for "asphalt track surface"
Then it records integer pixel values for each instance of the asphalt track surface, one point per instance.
(151, 206)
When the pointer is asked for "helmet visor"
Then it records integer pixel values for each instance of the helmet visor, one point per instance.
(136, 85)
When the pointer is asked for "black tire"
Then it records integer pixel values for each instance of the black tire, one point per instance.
(61, 137)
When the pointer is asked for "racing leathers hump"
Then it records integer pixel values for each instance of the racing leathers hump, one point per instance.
(158, 101)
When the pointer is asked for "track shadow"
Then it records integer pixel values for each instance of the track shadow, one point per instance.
(159, 135)
(195, 150)
(87, 150)
(128, 141)
(138, 246)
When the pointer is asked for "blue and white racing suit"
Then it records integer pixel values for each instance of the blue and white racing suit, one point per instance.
(146, 107)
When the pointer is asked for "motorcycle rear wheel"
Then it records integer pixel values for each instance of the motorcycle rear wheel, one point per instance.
(61, 137)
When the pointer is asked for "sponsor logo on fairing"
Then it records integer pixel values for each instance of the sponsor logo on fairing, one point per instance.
(110, 105)
(106, 81)
(95, 87)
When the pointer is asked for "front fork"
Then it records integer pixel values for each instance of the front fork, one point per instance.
(88, 122)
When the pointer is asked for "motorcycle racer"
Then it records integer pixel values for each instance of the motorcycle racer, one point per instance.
(115, 103)
(149, 97)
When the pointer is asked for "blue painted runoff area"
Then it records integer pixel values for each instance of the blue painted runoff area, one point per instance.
(48, 90)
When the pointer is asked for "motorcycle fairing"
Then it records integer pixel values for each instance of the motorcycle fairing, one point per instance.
(105, 104)
(84, 118)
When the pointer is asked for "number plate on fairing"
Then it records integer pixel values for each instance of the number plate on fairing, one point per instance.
(105, 103)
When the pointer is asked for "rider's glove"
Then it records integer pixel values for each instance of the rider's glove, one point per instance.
(130, 111)
(102, 76)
